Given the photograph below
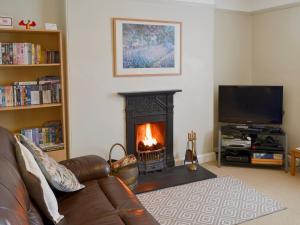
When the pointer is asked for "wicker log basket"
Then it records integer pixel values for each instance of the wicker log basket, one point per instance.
(126, 168)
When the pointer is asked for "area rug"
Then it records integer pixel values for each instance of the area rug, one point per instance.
(218, 201)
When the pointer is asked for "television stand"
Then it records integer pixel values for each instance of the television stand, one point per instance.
(252, 146)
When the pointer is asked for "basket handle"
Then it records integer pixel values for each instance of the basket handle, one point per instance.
(111, 149)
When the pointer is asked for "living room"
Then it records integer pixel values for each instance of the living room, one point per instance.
(227, 43)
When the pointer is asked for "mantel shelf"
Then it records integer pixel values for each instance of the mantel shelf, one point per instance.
(149, 92)
(26, 107)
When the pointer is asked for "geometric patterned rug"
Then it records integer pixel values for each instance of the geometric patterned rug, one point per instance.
(218, 201)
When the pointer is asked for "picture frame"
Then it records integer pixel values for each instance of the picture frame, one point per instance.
(146, 47)
(6, 22)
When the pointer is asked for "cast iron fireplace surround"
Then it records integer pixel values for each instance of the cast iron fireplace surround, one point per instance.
(150, 107)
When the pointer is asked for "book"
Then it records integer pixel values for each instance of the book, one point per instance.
(11, 56)
(6, 96)
(35, 95)
(52, 84)
(52, 56)
(48, 137)
(267, 156)
(2, 97)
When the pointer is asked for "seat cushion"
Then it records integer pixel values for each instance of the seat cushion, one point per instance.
(104, 201)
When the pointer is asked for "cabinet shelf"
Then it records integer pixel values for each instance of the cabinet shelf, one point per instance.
(223, 149)
(3, 30)
(29, 65)
(250, 165)
(241, 154)
(26, 107)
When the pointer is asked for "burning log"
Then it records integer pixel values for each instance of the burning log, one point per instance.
(143, 147)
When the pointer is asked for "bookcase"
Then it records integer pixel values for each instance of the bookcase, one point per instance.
(29, 116)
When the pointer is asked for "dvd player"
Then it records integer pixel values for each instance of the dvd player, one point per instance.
(236, 143)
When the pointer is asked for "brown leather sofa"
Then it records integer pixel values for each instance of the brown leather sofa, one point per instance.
(105, 200)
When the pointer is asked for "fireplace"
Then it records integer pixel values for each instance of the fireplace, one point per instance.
(149, 128)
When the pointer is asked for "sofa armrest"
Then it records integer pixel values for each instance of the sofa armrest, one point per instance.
(88, 167)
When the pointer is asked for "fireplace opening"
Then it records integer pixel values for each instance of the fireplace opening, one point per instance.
(150, 146)
(150, 136)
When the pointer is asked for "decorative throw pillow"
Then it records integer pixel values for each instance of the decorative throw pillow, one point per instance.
(56, 174)
(36, 184)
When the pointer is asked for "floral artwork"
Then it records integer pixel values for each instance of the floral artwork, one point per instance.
(147, 47)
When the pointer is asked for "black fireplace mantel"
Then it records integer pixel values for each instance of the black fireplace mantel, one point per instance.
(150, 106)
(149, 92)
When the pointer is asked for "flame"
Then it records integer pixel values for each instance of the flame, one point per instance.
(149, 140)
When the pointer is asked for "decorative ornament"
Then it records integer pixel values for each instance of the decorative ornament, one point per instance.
(27, 25)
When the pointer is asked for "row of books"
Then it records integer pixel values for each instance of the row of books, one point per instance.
(26, 53)
(49, 137)
(46, 90)
(52, 57)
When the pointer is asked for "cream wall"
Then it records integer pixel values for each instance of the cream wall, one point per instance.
(233, 53)
(262, 47)
(97, 117)
(236, 5)
(276, 54)
(41, 11)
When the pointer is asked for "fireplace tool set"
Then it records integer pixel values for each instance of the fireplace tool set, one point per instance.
(191, 154)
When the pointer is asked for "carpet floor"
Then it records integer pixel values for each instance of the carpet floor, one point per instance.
(275, 183)
(218, 201)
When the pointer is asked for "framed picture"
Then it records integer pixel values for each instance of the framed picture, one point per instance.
(146, 47)
(6, 22)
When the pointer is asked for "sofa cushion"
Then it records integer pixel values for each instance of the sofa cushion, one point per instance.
(88, 167)
(104, 201)
(36, 184)
(91, 202)
(56, 174)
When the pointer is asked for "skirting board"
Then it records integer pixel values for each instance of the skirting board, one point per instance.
(202, 158)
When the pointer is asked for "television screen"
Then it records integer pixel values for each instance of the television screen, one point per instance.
(251, 104)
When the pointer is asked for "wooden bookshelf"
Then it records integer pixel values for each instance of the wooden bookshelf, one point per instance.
(36, 31)
(30, 107)
(31, 65)
(31, 116)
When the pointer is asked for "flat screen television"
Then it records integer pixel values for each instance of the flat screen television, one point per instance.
(251, 104)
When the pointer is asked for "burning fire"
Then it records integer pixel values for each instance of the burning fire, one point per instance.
(149, 140)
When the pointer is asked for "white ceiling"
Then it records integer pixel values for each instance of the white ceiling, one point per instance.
(245, 5)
